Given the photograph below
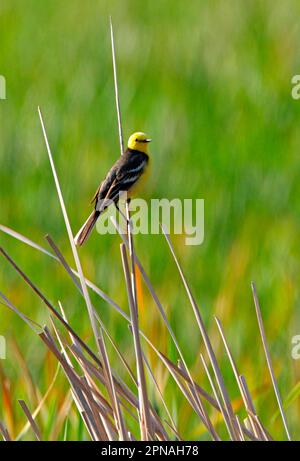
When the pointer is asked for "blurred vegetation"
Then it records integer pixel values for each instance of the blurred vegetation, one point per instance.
(210, 82)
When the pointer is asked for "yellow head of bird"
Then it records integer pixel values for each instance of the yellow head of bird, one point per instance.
(139, 141)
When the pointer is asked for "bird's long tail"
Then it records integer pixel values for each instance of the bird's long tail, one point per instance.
(86, 229)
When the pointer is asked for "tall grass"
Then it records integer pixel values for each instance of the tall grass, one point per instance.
(117, 415)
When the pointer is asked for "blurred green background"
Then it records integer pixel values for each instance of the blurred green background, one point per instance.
(210, 82)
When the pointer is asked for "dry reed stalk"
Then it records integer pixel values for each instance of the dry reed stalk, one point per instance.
(242, 385)
(4, 432)
(146, 429)
(207, 343)
(31, 420)
(98, 337)
(221, 407)
(71, 273)
(268, 358)
(164, 317)
(145, 420)
(24, 430)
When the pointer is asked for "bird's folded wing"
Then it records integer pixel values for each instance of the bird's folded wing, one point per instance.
(121, 184)
(120, 178)
(95, 197)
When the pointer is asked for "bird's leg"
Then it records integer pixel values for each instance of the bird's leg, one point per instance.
(121, 213)
(129, 222)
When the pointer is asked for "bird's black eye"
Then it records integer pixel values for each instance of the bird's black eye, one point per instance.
(136, 140)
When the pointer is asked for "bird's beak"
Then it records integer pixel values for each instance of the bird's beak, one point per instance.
(148, 140)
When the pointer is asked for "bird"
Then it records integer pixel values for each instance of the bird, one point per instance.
(122, 177)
